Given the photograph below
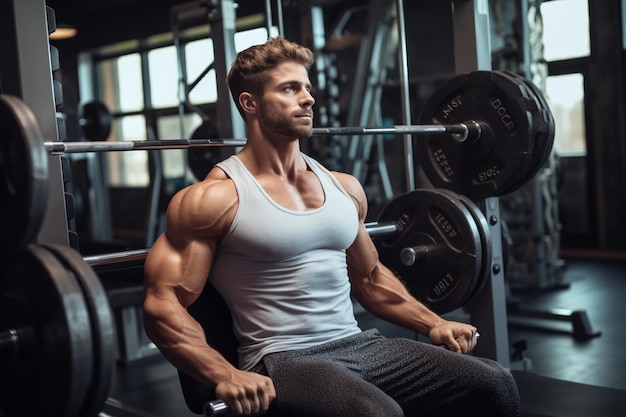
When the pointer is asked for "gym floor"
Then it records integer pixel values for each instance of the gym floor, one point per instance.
(150, 387)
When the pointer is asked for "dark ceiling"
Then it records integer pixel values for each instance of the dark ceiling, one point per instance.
(108, 21)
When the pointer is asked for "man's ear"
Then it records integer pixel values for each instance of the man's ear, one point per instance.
(248, 102)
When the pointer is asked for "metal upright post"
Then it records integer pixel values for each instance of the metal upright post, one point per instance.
(472, 52)
(37, 91)
(488, 309)
(472, 46)
(222, 20)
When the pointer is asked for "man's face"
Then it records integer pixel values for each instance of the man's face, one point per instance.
(287, 104)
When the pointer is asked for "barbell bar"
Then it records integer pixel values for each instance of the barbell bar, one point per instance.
(461, 132)
(376, 230)
(481, 134)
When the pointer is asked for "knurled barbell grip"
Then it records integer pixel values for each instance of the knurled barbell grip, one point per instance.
(60, 148)
(461, 132)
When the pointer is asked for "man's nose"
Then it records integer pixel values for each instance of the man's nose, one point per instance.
(307, 98)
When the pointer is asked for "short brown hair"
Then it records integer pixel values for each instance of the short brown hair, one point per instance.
(248, 71)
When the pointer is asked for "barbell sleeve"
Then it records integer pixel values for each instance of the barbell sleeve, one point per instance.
(410, 254)
(216, 408)
(461, 132)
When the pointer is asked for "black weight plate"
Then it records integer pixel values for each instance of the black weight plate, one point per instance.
(488, 166)
(52, 369)
(102, 326)
(24, 171)
(445, 278)
(485, 239)
(526, 169)
(202, 159)
(96, 121)
(543, 126)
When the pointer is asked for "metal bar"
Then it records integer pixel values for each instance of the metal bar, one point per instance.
(406, 104)
(381, 230)
(58, 148)
(36, 86)
(461, 132)
(376, 230)
(116, 258)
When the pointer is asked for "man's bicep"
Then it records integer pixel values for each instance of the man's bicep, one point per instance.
(361, 256)
(179, 271)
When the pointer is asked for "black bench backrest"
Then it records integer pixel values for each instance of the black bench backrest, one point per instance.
(211, 312)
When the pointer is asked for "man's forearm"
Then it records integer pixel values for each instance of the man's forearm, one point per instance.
(384, 295)
(182, 342)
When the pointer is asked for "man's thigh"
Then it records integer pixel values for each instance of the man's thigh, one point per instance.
(310, 386)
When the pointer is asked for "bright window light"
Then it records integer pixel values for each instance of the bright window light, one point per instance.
(565, 95)
(565, 29)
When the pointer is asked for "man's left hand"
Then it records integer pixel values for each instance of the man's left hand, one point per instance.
(458, 337)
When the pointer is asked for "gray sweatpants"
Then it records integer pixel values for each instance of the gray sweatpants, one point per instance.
(371, 375)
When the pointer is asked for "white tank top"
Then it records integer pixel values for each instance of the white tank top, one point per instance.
(283, 273)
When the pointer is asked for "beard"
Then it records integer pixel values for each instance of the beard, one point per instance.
(289, 125)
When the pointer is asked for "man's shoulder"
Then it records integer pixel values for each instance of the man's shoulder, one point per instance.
(207, 205)
(354, 189)
(349, 183)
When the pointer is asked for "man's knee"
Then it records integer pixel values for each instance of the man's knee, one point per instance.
(499, 389)
(368, 406)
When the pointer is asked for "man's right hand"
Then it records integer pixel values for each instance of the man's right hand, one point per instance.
(246, 393)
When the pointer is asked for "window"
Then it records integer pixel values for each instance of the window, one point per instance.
(120, 76)
(163, 70)
(199, 55)
(174, 160)
(565, 92)
(128, 169)
(121, 83)
(123, 93)
(566, 29)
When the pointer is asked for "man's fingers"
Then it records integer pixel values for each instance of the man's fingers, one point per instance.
(264, 399)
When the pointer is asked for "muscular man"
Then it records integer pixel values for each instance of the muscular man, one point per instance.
(283, 241)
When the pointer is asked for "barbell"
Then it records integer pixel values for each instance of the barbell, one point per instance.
(461, 132)
(484, 133)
